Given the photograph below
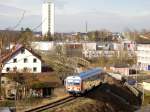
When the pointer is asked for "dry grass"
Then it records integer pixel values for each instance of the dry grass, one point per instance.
(97, 101)
(59, 93)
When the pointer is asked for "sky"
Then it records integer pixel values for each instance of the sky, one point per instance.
(71, 15)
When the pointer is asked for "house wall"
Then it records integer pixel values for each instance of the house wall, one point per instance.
(97, 53)
(143, 56)
(123, 71)
(20, 64)
(43, 46)
(89, 46)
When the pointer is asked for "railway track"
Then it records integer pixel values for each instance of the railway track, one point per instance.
(53, 104)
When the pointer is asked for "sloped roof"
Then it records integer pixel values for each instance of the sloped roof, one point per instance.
(15, 50)
(46, 80)
(40, 80)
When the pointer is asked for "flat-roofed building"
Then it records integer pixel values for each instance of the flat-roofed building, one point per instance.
(143, 56)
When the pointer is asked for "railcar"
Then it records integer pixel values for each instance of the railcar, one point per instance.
(83, 82)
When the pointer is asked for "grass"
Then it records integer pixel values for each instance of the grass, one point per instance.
(79, 105)
(145, 72)
(146, 100)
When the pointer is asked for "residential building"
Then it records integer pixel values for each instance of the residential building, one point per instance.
(97, 53)
(129, 45)
(89, 45)
(43, 45)
(143, 56)
(77, 49)
(91, 54)
(48, 17)
(74, 49)
(21, 59)
(124, 70)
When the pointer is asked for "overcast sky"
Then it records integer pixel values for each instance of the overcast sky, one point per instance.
(71, 15)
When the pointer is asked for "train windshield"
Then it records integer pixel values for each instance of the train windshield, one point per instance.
(71, 83)
(76, 83)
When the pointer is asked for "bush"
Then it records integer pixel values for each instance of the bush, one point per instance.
(7, 103)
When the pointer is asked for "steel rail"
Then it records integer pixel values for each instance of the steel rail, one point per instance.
(53, 104)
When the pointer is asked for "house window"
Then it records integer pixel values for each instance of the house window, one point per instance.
(34, 60)
(25, 60)
(7, 69)
(34, 69)
(22, 51)
(15, 60)
(3, 82)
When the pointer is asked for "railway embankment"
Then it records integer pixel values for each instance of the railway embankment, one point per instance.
(112, 96)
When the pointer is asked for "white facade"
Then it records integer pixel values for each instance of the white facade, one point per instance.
(91, 53)
(89, 46)
(96, 54)
(143, 56)
(48, 18)
(43, 46)
(22, 61)
(117, 46)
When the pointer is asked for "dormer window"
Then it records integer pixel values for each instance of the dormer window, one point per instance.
(22, 51)
(15, 60)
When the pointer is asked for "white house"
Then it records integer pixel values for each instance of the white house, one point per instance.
(143, 56)
(43, 46)
(89, 46)
(21, 59)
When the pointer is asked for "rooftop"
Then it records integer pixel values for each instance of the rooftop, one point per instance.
(14, 50)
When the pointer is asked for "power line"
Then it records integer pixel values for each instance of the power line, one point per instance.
(19, 22)
(38, 26)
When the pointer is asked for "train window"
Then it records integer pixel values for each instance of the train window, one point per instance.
(69, 83)
(76, 83)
